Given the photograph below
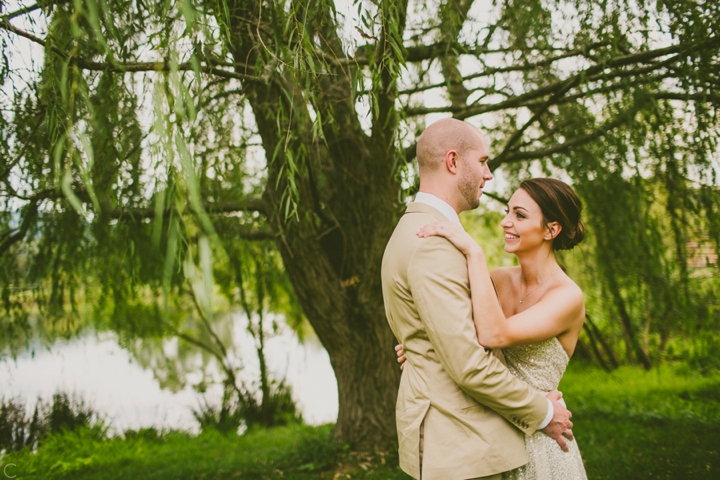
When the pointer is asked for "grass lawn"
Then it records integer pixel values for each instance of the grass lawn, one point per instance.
(294, 451)
(630, 424)
(664, 423)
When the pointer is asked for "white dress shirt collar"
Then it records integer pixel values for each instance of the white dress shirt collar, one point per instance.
(438, 204)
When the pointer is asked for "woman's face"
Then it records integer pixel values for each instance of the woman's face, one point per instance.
(523, 223)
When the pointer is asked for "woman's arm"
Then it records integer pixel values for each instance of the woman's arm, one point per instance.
(553, 315)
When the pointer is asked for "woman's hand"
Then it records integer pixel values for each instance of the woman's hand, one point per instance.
(457, 236)
(401, 356)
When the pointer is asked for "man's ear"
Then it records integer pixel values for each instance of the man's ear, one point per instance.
(451, 161)
(554, 229)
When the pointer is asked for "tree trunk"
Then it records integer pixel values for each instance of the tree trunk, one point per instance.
(633, 343)
(345, 194)
(361, 350)
(596, 337)
(582, 351)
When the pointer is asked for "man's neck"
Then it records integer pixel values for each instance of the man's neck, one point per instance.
(442, 194)
(439, 204)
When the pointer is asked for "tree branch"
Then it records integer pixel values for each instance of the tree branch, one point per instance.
(20, 11)
(20, 154)
(229, 372)
(386, 83)
(10, 239)
(418, 53)
(253, 234)
(5, 25)
(540, 111)
(606, 89)
(567, 145)
(123, 67)
(454, 13)
(495, 197)
(698, 97)
(590, 73)
(514, 68)
(411, 152)
(247, 205)
(162, 67)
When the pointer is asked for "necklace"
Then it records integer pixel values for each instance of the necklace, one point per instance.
(543, 283)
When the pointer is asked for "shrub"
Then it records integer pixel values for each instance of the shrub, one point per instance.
(64, 413)
(150, 434)
(225, 419)
(276, 410)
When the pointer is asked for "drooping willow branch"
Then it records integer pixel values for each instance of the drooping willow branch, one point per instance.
(13, 236)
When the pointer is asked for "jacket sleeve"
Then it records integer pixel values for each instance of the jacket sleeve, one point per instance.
(438, 279)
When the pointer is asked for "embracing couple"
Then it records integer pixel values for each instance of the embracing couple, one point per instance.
(483, 352)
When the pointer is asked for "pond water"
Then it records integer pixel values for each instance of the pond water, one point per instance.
(131, 386)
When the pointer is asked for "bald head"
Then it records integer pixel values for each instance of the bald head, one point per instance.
(453, 157)
(441, 137)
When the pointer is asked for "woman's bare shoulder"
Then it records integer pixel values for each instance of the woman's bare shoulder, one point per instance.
(502, 275)
(570, 291)
(503, 272)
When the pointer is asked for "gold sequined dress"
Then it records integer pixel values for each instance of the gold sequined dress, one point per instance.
(542, 365)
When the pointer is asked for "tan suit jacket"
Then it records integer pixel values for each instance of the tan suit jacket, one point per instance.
(457, 403)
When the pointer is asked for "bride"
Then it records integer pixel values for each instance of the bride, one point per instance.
(537, 311)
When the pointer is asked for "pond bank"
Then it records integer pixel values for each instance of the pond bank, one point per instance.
(150, 383)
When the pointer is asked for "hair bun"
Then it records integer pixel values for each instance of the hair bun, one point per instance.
(566, 241)
(558, 203)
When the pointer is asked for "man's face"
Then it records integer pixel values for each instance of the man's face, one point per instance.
(473, 172)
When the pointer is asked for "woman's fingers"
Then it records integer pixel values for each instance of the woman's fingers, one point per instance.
(444, 229)
(457, 236)
(400, 354)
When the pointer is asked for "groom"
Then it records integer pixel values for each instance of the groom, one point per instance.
(460, 413)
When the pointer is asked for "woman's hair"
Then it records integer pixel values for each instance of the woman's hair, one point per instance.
(558, 203)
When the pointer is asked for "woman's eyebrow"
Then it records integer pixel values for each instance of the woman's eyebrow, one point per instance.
(518, 207)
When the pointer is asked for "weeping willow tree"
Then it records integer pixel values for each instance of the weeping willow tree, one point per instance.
(144, 143)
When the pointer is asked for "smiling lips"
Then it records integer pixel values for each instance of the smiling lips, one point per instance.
(510, 236)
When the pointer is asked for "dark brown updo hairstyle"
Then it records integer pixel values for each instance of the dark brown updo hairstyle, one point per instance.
(558, 203)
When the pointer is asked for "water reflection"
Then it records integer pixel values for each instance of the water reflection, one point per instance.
(156, 382)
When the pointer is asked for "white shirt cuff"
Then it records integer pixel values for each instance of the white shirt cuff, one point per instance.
(548, 417)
